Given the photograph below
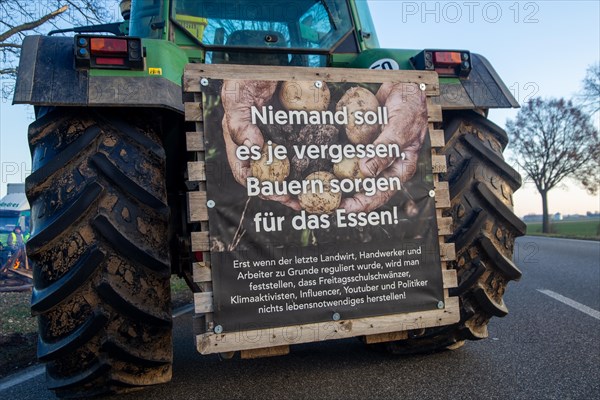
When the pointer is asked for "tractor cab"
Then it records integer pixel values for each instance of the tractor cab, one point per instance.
(292, 33)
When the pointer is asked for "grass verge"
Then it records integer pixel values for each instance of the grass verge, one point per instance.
(586, 230)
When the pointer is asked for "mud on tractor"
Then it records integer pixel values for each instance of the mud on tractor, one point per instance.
(141, 171)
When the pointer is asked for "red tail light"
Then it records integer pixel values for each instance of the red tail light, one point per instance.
(109, 61)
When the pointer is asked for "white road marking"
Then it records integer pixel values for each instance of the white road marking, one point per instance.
(578, 306)
(590, 242)
(182, 310)
(21, 377)
(31, 373)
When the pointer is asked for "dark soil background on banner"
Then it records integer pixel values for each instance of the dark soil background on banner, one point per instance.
(249, 227)
(18, 330)
(233, 202)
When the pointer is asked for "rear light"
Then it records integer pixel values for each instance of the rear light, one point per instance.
(447, 57)
(456, 63)
(108, 46)
(108, 52)
(109, 61)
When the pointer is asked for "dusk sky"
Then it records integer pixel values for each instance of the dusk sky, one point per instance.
(539, 48)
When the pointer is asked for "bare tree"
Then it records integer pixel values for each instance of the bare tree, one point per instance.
(19, 18)
(590, 95)
(554, 140)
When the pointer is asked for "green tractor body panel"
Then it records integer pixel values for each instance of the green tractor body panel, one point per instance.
(161, 54)
(58, 83)
(325, 33)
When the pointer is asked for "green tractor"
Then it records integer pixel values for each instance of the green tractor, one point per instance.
(109, 183)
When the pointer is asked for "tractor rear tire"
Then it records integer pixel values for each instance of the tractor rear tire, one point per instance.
(100, 251)
(484, 225)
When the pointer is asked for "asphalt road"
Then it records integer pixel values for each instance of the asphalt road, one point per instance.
(543, 349)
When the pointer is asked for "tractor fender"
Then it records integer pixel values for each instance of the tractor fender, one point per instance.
(47, 77)
(482, 89)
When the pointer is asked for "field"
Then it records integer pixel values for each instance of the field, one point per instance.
(586, 229)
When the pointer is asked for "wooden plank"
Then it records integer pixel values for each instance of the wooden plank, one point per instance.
(193, 112)
(209, 343)
(200, 241)
(201, 272)
(386, 337)
(197, 209)
(445, 226)
(205, 287)
(196, 171)
(447, 252)
(437, 138)
(442, 195)
(203, 303)
(434, 111)
(443, 185)
(195, 72)
(449, 278)
(439, 164)
(194, 141)
(265, 352)
(442, 200)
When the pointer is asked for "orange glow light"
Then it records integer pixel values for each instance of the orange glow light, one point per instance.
(447, 57)
(108, 45)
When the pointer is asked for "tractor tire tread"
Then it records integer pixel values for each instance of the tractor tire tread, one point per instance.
(99, 251)
(481, 185)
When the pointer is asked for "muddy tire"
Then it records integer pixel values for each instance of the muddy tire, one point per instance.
(484, 226)
(99, 250)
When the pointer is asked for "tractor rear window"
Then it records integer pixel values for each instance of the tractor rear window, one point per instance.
(305, 26)
(146, 18)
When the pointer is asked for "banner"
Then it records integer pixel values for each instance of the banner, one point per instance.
(320, 199)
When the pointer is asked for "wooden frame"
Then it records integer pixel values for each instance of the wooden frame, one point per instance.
(276, 341)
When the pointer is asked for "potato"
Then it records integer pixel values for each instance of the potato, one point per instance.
(304, 95)
(278, 170)
(359, 99)
(278, 133)
(298, 166)
(301, 167)
(316, 134)
(348, 168)
(320, 203)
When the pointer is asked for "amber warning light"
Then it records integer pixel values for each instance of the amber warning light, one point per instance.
(108, 53)
(447, 57)
(108, 46)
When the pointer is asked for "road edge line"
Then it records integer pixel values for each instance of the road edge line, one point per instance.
(182, 310)
(572, 303)
(21, 376)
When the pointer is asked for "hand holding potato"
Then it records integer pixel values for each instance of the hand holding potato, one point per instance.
(239, 96)
(407, 127)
